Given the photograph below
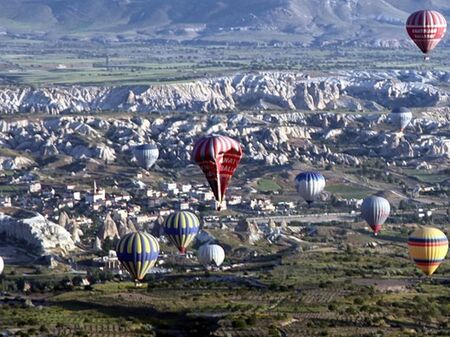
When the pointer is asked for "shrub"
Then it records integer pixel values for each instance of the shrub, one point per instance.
(273, 332)
(43, 328)
(239, 324)
(251, 320)
(358, 301)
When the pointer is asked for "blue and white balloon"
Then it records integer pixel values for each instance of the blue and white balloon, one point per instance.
(146, 155)
(309, 185)
(401, 117)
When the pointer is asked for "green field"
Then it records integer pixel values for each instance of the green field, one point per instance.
(12, 188)
(426, 176)
(40, 63)
(348, 191)
(268, 185)
(321, 291)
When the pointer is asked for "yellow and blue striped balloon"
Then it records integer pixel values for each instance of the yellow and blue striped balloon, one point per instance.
(428, 247)
(181, 228)
(137, 252)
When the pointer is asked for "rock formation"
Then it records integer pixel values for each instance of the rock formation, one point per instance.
(41, 235)
(351, 90)
(97, 244)
(249, 230)
(131, 226)
(64, 220)
(158, 227)
(280, 138)
(77, 233)
(123, 228)
(108, 229)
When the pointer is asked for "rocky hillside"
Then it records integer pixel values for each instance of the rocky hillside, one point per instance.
(306, 22)
(270, 138)
(351, 91)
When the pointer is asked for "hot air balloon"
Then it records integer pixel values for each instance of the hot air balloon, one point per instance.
(2, 265)
(309, 185)
(428, 247)
(211, 255)
(137, 252)
(218, 157)
(181, 228)
(375, 210)
(146, 155)
(426, 28)
(401, 117)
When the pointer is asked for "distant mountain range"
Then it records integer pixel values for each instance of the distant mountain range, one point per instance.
(304, 22)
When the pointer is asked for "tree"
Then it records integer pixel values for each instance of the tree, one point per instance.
(402, 205)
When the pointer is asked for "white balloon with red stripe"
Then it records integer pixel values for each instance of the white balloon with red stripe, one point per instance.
(426, 28)
(375, 210)
(218, 156)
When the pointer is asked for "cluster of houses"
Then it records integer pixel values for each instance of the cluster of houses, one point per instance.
(139, 202)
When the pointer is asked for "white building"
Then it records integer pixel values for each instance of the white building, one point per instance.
(153, 193)
(186, 188)
(183, 206)
(97, 195)
(169, 186)
(262, 205)
(110, 262)
(287, 204)
(205, 196)
(235, 200)
(5, 201)
(121, 197)
(144, 218)
(164, 212)
(35, 187)
(174, 192)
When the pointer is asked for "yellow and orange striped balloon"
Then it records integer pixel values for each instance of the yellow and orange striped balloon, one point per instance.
(428, 248)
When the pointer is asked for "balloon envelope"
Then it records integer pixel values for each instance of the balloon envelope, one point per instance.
(137, 252)
(146, 155)
(428, 247)
(218, 157)
(181, 228)
(426, 28)
(211, 255)
(309, 185)
(375, 210)
(401, 117)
